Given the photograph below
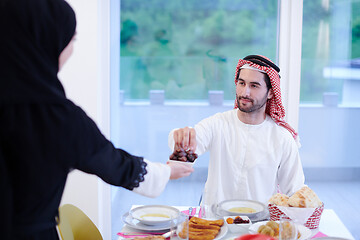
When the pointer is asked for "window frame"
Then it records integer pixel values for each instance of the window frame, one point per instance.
(289, 58)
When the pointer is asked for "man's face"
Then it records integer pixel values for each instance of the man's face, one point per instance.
(251, 91)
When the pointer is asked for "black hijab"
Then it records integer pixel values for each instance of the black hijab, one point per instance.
(33, 35)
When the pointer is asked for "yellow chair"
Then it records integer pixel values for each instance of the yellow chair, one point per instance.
(75, 225)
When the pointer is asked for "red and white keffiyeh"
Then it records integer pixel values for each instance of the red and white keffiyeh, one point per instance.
(274, 106)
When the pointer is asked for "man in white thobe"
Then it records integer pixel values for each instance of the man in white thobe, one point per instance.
(253, 151)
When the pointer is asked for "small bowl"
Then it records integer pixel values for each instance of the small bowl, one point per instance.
(186, 163)
(238, 227)
(228, 207)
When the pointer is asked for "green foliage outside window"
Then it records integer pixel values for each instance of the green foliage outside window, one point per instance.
(331, 38)
(355, 29)
(190, 47)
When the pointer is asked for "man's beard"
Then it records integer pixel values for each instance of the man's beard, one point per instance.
(252, 108)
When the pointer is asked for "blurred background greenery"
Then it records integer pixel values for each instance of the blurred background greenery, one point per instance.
(188, 47)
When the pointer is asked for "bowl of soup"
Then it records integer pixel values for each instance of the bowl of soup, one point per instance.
(249, 208)
(154, 214)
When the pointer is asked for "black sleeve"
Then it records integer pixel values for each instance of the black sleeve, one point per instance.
(6, 201)
(97, 155)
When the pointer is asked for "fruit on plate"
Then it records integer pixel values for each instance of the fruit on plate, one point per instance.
(271, 229)
(183, 155)
(237, 220)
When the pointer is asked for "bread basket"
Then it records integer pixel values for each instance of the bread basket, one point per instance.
(311, 222)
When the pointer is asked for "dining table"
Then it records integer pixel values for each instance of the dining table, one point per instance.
(330, 225)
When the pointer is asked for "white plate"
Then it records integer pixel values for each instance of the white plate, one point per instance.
(304, 231)
(154, 214)
(222, 233)
(136, 224)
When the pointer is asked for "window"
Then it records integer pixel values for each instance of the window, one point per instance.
(330, 86)
(176, 65)
(173, 64)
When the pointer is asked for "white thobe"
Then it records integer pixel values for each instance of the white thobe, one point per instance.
(246, 161)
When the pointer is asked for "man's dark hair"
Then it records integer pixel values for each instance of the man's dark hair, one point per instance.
(259, 60)
(266, 79)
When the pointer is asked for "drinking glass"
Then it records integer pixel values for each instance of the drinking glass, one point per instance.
(287, 229)
(206, 212)
(180, 227)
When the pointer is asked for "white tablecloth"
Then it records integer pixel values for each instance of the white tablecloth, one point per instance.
(330, 224)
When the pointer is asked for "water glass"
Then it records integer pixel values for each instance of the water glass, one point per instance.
(205, 211)
(287, 229)
(180, 227)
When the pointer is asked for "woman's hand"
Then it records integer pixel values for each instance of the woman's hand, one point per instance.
(179, 170)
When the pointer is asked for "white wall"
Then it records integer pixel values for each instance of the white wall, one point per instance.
(81, 78)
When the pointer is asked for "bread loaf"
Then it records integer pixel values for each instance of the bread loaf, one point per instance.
(304, 198)
(279, 199)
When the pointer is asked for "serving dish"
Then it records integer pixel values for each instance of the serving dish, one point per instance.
(238, 227)
(154, 214)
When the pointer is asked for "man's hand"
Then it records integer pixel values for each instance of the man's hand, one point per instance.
(179, 170)
(185, 138)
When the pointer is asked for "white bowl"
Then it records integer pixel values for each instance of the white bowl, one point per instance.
(186, 163)
(228, 207)
(238, 227)
(154, 214)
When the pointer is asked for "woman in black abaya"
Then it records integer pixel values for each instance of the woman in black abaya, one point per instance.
(43, 135)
